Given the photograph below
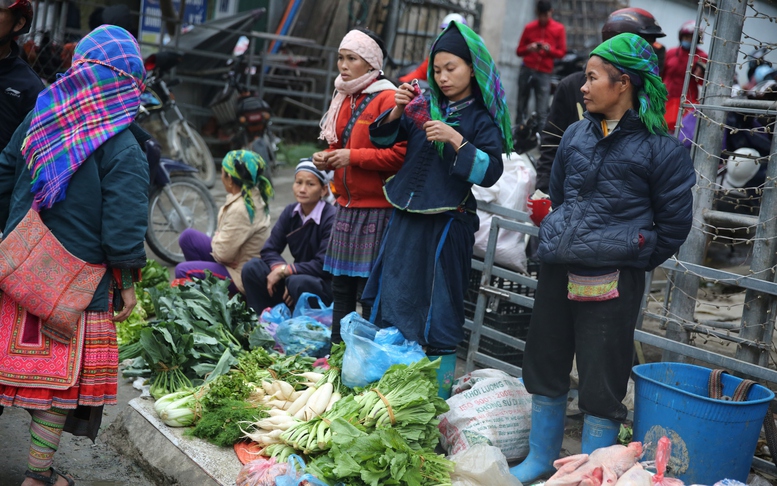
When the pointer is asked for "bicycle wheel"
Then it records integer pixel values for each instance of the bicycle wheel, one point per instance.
(166, 223)
(187, 144)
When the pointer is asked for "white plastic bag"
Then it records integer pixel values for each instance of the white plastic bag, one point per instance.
(481, 465)
(511, 191)
(488, 407)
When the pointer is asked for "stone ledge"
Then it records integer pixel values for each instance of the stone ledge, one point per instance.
(166, 456)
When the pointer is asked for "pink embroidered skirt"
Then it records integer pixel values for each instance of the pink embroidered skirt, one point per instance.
(39, 373)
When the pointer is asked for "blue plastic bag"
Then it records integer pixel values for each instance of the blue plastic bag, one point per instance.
(296, 474)
(275, 315)
(303, 335)
(321, 312)
(370, 351)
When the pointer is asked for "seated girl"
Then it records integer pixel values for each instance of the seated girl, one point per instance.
(304, 227)
(243, 223)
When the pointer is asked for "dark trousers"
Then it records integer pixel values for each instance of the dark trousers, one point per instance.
(347, 291)
(254, 276)
(531, 81)
(600, 334)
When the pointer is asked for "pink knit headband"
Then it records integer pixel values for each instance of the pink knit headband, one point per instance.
(363, 45)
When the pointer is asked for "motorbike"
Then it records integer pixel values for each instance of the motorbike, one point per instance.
(244, 119)
(177, 200)
(570, 63)
(184, 142)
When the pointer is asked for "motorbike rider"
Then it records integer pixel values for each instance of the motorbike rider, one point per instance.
(676, 68)
(419, 73)
(19, 85)
(567, 106)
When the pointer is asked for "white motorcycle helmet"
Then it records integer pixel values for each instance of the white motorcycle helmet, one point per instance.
(452, 17)
(741, 167)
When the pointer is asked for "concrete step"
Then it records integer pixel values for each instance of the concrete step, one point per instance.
(165, 454)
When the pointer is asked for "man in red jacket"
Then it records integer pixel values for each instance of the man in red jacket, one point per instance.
(676, 66)
(542, 41)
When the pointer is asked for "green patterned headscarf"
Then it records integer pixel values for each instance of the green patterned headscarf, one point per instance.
(246, 168)
(487, 77)
(632, 55)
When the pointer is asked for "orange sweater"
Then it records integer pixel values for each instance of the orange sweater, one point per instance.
(360, 185)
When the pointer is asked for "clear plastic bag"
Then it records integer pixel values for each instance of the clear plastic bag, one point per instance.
(321, 312)
(261, 472)
(303, 335)
(370, 351)
(482, 465)
(296, 475)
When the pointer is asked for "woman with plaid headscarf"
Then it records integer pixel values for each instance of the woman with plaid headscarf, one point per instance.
(622, 204)
(455, 138)
(74, 160)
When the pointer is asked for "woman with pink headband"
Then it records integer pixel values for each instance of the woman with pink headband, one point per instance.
(362, 93)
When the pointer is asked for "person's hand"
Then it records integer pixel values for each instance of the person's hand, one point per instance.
(437, 131)
(320, 160)
(403, 95)
(276, 275)
(287, 299)
(129, 299)
(339, 158)
(533, 47)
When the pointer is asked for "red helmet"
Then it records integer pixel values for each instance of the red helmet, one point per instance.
(687, 29)
(20, 8)
(634, 21)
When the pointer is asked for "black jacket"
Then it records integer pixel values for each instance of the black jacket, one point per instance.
(609, 191)
(566, 109)
(19, 88)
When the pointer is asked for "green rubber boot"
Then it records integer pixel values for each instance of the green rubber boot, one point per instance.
(445, 373)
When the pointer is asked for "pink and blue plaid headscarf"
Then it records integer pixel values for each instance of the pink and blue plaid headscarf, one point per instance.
(95, 99)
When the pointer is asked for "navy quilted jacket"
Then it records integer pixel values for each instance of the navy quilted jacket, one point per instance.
(607, 191)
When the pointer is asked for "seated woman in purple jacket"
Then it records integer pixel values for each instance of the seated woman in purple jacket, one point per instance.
(304, 227)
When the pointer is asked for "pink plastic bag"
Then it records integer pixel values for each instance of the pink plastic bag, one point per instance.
(261, 472)
(663, 452)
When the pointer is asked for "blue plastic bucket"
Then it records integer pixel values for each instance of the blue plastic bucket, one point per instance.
(711, 439)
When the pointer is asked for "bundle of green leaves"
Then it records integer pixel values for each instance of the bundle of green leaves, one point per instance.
(199, 334)
(379, 457)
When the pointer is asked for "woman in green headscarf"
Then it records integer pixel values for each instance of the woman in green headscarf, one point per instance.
(622, 204)
(243, 224)
(455, 135)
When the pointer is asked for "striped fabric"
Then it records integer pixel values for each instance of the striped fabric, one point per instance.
(97, 98)
(354, 243)
(46, 431)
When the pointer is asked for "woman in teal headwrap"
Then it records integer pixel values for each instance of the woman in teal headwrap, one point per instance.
(243, 224)
(622, 204)
(455, 138)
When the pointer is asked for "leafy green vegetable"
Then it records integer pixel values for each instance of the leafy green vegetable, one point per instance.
(222, 425)
(379, 457)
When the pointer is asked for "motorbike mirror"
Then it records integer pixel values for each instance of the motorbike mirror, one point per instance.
(241, 47)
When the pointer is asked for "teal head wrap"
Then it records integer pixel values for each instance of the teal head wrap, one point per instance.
(246, 168)
(487, 78)
(632, 55)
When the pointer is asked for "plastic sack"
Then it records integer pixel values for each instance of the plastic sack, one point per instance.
(321, 312)
(303, 335)
(370, 351)
(481, 465)
(663, 453)
(511, 191)
(488, 406)
(296, 475)
(275, 315)
(261, 472)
